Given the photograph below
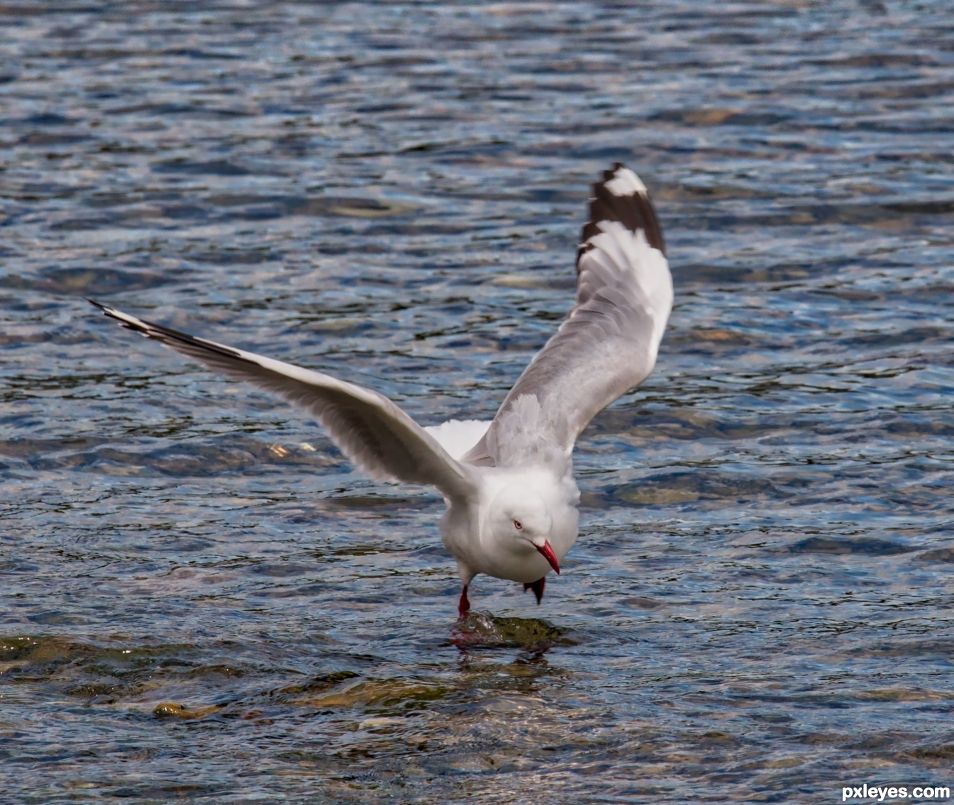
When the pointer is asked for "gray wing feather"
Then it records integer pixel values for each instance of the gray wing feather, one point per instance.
(608, 343)
(373, 432)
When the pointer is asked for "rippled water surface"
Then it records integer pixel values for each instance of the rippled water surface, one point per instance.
(200, 600)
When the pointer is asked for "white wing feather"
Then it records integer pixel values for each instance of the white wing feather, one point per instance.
(607, 344)
(367, 427)
(457, 436)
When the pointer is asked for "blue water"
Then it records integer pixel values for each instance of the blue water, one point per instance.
(200, 600)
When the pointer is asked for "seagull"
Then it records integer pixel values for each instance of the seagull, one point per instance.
(511, 500)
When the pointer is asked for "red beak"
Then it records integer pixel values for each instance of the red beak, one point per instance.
(546, 551)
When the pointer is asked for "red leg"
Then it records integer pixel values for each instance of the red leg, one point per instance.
(464, 606)
(537, 587)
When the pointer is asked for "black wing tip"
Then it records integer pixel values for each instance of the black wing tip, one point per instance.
(111, 312)
(167, 335)
(622, 196)
(129, 322)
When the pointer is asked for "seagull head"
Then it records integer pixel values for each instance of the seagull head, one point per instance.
(521, 521)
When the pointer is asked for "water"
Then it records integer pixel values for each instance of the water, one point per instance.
(200, 600)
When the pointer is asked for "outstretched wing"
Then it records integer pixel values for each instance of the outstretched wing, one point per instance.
(607, 344)
(367, 427)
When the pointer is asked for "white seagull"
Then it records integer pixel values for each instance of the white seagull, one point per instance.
(508, 484)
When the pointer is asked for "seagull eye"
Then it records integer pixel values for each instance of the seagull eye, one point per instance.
(518, 525)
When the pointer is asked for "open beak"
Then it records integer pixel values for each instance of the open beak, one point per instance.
(546, 551)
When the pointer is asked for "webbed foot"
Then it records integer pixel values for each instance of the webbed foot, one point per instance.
(537, 587)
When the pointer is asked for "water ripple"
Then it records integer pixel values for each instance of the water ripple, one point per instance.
(201, 600)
